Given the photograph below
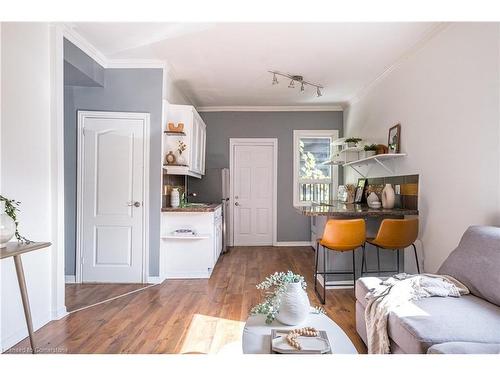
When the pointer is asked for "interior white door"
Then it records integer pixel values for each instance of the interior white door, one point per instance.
(253, 194)
(112, 196)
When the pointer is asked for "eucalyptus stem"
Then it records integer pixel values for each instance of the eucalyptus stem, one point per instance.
(11, 209)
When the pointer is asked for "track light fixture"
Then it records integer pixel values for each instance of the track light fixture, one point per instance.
(298, 79)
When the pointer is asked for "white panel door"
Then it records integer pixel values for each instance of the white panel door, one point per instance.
(253, 195)
(112, 238)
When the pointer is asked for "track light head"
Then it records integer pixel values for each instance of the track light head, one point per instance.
(291, 85)
(302, 87)
(318, 92)
(275, 79)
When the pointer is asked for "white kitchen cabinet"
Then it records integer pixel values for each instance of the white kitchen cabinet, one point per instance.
(190, 257)
(194, 137)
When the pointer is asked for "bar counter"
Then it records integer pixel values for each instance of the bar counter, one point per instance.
(340, 209)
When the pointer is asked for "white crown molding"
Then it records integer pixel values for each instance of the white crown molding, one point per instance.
(265, 108)
(136, 64)
(82, 43)
(415, 48)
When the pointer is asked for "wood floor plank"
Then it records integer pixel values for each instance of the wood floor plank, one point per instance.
(189, 315)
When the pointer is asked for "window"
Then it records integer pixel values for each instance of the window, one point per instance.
(312, 179)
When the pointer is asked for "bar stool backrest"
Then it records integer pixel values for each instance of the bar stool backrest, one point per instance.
(397, 233)
(344, 235)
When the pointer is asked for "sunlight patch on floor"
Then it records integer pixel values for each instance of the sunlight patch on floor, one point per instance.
(210, 334)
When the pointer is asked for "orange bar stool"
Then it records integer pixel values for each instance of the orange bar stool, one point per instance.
(393, 234)
(339, 235)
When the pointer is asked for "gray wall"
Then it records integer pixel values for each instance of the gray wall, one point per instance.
(224, 125)
(127, 90)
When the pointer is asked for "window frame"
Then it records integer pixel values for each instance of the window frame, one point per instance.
(297, 135)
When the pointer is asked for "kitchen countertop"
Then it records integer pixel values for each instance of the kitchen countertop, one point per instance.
(340, 209)
(210, 207)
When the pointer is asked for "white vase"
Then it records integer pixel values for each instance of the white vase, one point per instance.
(372, 198)
(7, 226)
(294, 305)
(174, 198)
(388, 196)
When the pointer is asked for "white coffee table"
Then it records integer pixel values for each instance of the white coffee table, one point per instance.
(257, 334)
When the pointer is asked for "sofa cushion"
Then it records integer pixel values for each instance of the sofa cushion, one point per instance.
(418, 325)
(476, 262)
(464, 348)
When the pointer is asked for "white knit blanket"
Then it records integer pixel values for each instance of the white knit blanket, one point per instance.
(396, 291)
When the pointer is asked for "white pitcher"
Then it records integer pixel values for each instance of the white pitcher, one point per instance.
(388, 196)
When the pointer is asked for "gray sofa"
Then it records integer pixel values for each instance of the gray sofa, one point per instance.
(469, 324)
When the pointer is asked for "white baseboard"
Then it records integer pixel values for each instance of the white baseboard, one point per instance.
(293, 243)
(347, 283)
(70, 279)
(60, 313)
(156, 279)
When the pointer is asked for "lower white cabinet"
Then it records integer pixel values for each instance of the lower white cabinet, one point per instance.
(192, 257)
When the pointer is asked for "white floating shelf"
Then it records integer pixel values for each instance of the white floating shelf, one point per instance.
(373, 160)
(180, 170)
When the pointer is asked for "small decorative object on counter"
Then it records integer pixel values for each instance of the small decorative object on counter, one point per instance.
(353, 141)
(174, 197)
(181, 147)
(286, 299)
(373, 200)
(370, 150)
(170, 158)
(394, 139)
(381, 149)
(177, 129)
(388, 196)
(360, 190)
(7, 226)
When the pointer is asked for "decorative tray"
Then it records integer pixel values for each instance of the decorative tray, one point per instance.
(310, 345)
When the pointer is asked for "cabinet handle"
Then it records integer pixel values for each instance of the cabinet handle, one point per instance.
(236, 204)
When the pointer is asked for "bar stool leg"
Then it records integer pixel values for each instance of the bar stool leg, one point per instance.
(324, 275)
(316, 265)
(363, 261)
(416, 257)
(353, 267)
(397, 252)
(378, 261)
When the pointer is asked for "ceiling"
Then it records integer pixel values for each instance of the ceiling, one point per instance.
(226, 64)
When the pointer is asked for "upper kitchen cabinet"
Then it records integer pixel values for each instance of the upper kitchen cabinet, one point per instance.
(191, 161)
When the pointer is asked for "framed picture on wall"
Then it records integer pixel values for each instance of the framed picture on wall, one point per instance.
(393, 142)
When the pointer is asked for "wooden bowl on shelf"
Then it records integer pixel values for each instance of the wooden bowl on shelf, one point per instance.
(173, 128)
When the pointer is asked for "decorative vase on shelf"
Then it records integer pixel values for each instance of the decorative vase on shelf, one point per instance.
(180, 159)
(174, 198)
(7, 226)
(388, 196)
(294, 305)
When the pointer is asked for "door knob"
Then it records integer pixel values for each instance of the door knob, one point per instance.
(236, 204)
(135, 204)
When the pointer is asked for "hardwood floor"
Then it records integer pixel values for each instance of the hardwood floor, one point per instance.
(182, 316)
(82, 295)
